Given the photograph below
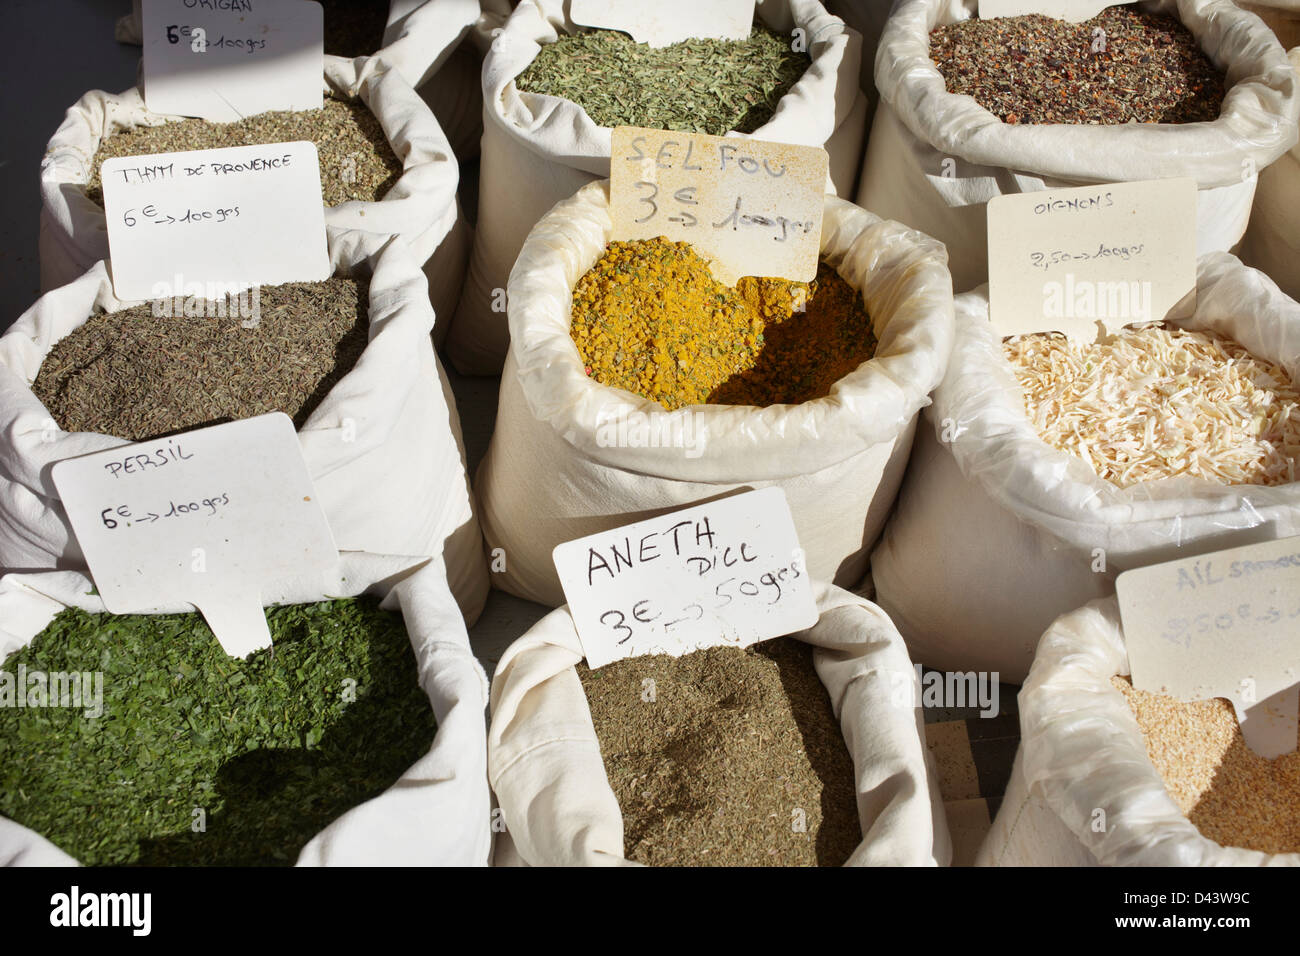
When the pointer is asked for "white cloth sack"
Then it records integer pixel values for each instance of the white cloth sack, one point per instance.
(436, 814)
(546, 769)
(423, 43)
(383, 448)
(558, 469)
(935, 159)
(868, 18)
(1272, 242)
(538, 150)
(1081, 750)
(427, 41)
(421, 206)
(996, 533)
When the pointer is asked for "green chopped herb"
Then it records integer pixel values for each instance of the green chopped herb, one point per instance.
(201, 759)
(696, 86)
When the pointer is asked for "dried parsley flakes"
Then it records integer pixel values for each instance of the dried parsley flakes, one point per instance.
(270, 749)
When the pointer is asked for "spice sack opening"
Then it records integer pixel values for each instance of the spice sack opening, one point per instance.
(383, 444)
(539, 149)
(1084, 758)
(550, 778)
(418, 181)
(433, 810)
(997, 532)
(935, 158)
(571, 457)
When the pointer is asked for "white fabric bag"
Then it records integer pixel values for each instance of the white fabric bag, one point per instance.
(423, 43)
(549, 778)
(1272, 242)
(567, 458)
(935, 159)
(996, 533)
(436, 814)
(421, 206)
(1282, 17)
(383, 448)
(1081, 750)
(538, 150)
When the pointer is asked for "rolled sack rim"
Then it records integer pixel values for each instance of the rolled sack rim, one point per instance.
(990, 436)
(429, 179)
(1258, 121)
(908, 295)
(530, 118)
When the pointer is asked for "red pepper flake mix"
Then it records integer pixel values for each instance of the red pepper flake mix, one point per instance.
(1124, 65)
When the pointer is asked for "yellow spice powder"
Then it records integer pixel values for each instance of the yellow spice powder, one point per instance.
(649, 317)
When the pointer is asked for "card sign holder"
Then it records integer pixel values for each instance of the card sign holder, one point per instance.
(665, 22)
(1225, 624)
(726, 573)
(212, 517)
(220, 218)
(749, 206)
(1092, 259)
(1075, 11)
(230, 60)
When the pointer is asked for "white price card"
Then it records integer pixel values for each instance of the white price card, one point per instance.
(223, 60)
(209, 517)
(225, 218)
(729, 572)
(1225, 624)
(1091, 259)
(665, 22)
(1075, 11)
(749, 206)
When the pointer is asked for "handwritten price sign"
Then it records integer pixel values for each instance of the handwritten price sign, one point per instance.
(751, 207)
(209, 517)
(234, 217)
(1222, 625)
(729, 572)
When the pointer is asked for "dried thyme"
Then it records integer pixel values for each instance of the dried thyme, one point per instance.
(133, 375)
(1141, 67)
(356, 160)
(649, 318)
(270, 749)
(697, 86)
(737, 761)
